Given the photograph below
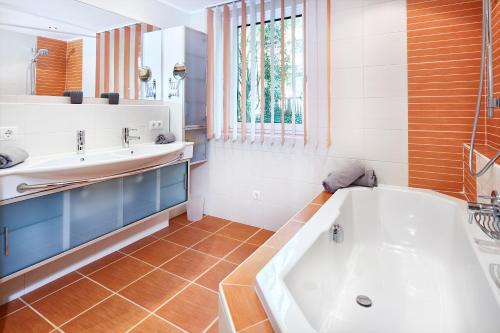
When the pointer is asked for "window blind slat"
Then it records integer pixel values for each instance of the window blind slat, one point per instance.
(294, 70)
(253, 69)
(210, 73)
(234, 73)
(282, 5)
(219, 74)
(227, 70)
(304, 81)
(243, 106)
(262, 83)
(273, 64)
(329, 69)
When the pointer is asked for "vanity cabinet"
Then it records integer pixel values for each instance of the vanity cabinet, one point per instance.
(31, 231)
(41, 227)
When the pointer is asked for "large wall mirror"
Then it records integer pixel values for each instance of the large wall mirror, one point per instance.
(53, 46)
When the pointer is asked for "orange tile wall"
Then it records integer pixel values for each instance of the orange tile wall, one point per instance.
(444, 43)
(493, 125)
(470, 183)
(74, 65)
(51, 69)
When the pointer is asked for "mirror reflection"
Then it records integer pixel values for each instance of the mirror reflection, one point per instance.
(65, 45)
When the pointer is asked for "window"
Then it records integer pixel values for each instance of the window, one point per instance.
(291, 103)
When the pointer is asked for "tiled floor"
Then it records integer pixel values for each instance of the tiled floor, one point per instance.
(167, 282)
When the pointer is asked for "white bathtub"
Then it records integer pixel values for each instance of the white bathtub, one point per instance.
(411, 251)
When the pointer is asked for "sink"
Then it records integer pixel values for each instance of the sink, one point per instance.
(94, 164)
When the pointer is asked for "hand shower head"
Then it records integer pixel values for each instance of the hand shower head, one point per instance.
(42, 52)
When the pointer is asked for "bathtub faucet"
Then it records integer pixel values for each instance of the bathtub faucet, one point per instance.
(486, 215)
(337, 232)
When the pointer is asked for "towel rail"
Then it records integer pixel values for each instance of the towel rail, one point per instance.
(23, 187)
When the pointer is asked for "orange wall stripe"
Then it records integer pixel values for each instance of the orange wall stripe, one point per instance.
(74, 65)
(444, 44)
(262, 55)
(106, 61)
(329, 68)
(126, 63)
(138, 37)
(116, 63)
(210, 73)
(282, 71)
(98, 65)
(149, 28)
(304, 79)
(243, 70)
(227, 70)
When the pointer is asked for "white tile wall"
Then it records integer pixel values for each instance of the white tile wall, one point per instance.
(370, 120)
(490, 180)
(50, 128)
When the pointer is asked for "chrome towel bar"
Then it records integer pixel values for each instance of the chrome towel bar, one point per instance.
(23, 187)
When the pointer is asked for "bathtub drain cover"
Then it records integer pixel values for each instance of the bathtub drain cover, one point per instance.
(364, 301)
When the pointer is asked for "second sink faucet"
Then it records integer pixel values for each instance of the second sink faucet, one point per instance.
(126, 137)
(80, 142)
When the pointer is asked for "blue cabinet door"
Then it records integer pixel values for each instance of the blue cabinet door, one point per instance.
(139, 196)
(95, 210)
(31, 231)
(173, 185)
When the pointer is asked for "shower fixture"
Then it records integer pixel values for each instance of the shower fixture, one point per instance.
(491, 101)
(32, 69)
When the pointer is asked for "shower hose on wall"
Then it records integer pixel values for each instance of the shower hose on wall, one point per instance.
(492, 103)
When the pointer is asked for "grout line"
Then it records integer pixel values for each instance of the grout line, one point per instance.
(211, 324)
(40, 314)
(253, 325)
(55, 291)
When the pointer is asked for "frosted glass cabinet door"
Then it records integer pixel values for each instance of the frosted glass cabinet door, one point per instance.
(34, 232)
(95, 210)
(173, 185)
(139, 196)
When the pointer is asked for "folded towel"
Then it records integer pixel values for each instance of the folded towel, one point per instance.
(162, 139)
(343, 177)
(369, 179)
(10, 156)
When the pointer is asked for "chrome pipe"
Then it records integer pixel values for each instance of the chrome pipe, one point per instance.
(23, 187)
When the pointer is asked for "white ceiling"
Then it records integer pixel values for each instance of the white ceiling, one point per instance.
(190, 6)
(72, 18)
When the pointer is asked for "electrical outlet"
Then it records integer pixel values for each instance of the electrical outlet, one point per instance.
(8, 133)
(155, 124)
(256, 195)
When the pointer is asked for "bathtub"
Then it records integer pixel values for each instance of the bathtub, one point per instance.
(412, 252)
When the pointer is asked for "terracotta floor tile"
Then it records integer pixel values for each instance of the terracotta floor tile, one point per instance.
(194, 309)
(139, 244)
(263, 327)
(244, 306)
(215, 275)
(238, 231)
(282, 236)
(182, 219)
(70, 301)
(113, 315)
(8, 308)
(218, 246)
(210, 223)
(322, 198)
(260, 237)
(246, 272)
(153, 289)
(241, 253)
(120, 273)
(305, 214)
(24, 321)
(173, 227)
(189, 265)
(155, 325)
(51, 287)
(159, 252)
(214, 328)
(187, 236)
(98, 264)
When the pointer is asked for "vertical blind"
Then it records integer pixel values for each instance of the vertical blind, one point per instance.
(259, 59)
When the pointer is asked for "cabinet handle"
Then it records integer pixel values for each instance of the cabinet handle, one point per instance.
(6, 236)
(185, 181)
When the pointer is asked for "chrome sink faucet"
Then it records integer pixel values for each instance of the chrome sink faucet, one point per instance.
(486, 215)
(80, 142)
(126, 137)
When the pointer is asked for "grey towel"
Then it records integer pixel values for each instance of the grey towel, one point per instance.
(10, 156)
(343, 177)
(162, 139)
(369, 179)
